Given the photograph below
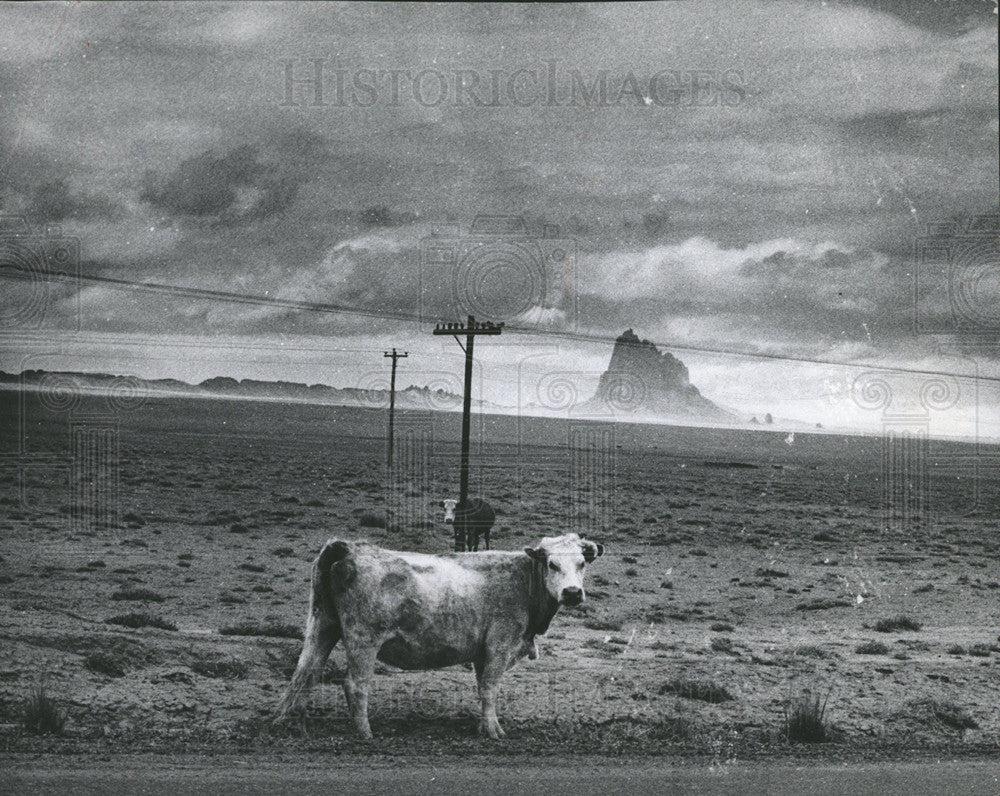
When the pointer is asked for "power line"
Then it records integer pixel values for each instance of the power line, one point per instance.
(180, 291)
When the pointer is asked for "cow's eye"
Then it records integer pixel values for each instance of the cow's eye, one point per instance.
(553, 566)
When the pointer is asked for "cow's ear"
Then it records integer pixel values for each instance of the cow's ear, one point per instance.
(592, 550)
(440, 504)
(534, 553)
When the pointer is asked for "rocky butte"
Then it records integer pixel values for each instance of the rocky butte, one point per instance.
(641, 380)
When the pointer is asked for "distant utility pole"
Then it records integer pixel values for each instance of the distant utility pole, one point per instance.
(471, 329)
(392, 394)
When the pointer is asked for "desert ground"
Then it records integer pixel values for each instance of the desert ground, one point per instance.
(744, 572)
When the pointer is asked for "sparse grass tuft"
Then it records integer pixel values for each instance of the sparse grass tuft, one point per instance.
(137, 595)
(268, 630)
(702, 690)
(41, 715)
(721, 627)
(140, 620)
(900, 622)
(871, 648)
(371, 521)
(804, 720)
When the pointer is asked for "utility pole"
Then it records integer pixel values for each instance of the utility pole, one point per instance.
(392, 394)
(471, 329)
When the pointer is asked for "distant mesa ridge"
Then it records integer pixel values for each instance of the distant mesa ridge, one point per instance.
(412, 397)
(642, 380)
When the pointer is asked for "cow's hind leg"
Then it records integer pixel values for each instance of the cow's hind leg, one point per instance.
(322, 634)
(360, 669)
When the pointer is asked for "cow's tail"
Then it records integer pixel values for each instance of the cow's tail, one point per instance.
(333, 570)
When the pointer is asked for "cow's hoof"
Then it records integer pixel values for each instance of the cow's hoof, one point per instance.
(492, 729)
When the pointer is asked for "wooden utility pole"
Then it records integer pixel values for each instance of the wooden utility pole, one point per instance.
(471, 329)
(392, 394)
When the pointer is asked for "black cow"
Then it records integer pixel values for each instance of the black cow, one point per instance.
(471, 520)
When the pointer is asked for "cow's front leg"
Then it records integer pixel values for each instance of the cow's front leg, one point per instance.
(488, 678)
(360, 668)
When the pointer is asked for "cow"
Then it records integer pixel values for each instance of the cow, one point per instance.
(417, 611)
(470, 521)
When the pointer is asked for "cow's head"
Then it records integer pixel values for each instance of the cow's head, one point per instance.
(449, 510)
(563, 559)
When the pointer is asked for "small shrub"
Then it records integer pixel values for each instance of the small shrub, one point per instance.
(935, 711)
(137, 595)
(901, 622)
(227, 668)
(140, 620)
(810, 651)
(268, 630)
(770, 573)
(253, 567)
(956, 649)
(721, 627)
(979, 651)
(666, 584)
(722, 644)
(822, 603)
(602, 623)
(805, 720)
(371, 521)
(631, 572)
(238, 527)
(871, 648)
(41, 715)
(924, 589)
(702, 690)
(105, 663)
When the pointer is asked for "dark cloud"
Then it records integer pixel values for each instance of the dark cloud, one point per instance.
(54, 200)
(951, 17)
(235, 187)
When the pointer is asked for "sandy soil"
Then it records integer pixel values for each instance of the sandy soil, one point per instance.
(739, 563)
(128, 774)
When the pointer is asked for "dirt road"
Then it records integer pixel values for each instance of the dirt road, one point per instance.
(246, 774)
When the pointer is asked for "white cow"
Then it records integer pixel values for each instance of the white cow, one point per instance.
(417, 611)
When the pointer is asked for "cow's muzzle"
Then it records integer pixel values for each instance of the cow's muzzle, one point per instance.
(572, 595)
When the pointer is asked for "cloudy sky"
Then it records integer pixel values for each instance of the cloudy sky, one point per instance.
(742, 177)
